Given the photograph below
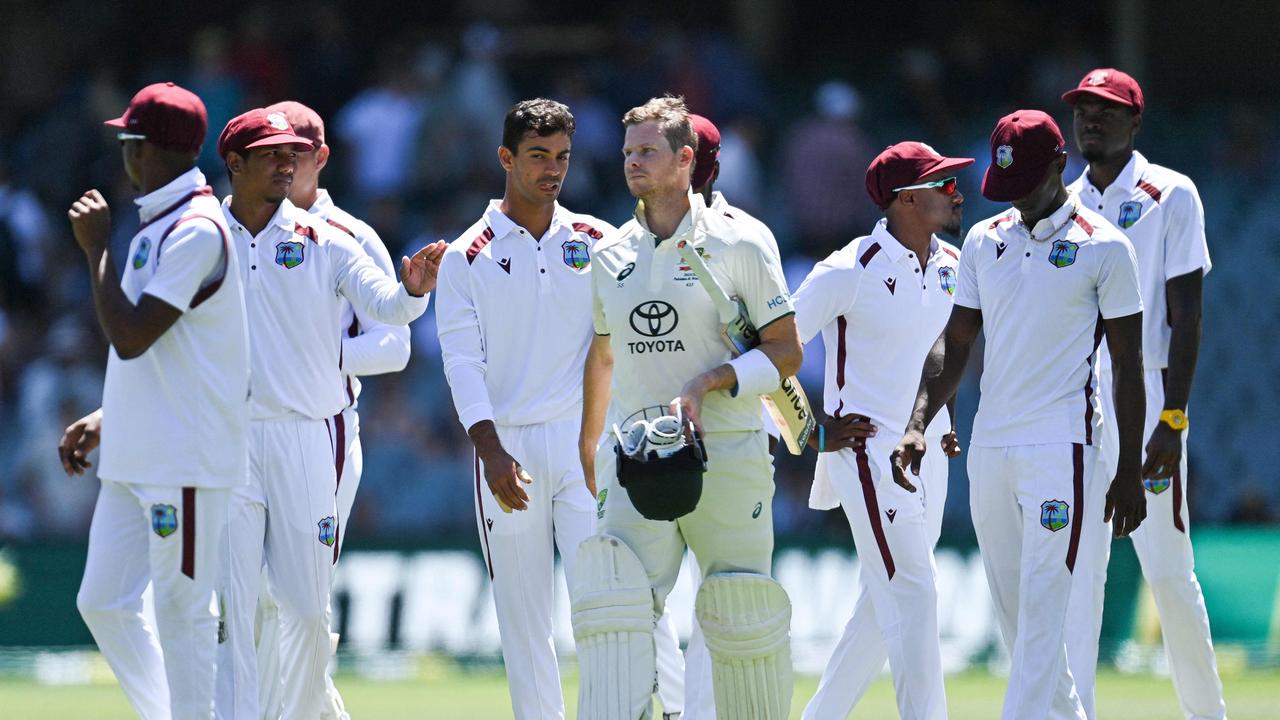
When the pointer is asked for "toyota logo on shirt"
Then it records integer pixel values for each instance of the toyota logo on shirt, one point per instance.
(654, 318)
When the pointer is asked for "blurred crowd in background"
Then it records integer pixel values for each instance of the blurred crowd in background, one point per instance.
(414, 113)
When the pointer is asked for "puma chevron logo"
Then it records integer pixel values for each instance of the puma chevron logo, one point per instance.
(891, 514)
(505, 264)
(892, 284)
(489, 522)
(999, 250)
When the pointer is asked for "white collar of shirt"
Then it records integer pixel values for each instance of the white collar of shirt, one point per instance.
(892, 247)
(1052, 225)
(718, 202)
(157, 201)
(687, 223)
(323, 206)
(502, 225)
(284, 215)
(1127, 179)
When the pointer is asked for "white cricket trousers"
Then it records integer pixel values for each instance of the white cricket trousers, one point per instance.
(519, 551)
(287, 518)
(895, 616)
(172, 538)
(344, 429)
(1163, 545)
(1026, 502)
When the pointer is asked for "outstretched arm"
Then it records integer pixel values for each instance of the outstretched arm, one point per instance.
(939, 380)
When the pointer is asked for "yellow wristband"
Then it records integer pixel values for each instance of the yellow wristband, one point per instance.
(1175, 419)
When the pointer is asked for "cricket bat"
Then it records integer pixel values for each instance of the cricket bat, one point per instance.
(787, 405)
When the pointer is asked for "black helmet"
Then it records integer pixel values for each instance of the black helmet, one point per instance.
(658, 464)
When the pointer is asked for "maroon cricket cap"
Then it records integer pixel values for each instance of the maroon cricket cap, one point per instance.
(1022, 146)
(257, 128)
(166, 115)
(903, 164)
(305, 121)
(1109, 84)
(708, 150)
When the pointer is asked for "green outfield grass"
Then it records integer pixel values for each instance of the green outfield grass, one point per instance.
(455, 695)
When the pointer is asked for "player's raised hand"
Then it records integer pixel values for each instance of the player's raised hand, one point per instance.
(1126, 504)
(91, 222)
(907, 456)
(419, 272)
(78, 440)
(850, 431)
(951, 444)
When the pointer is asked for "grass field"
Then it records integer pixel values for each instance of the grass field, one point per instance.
(483, 696)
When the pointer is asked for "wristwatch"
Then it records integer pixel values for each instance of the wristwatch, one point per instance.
(1175, 419)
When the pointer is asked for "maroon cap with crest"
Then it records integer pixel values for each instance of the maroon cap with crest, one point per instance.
(305, 121)
(257, 128)
(166, 115)
(903, 164)
(1023, 145)
(1109, 84)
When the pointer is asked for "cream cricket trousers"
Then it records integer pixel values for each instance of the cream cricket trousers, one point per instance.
(519, 550)
(1027, 507)
(286, 518)
(172, 538)
(1163, 545)
(896, 614)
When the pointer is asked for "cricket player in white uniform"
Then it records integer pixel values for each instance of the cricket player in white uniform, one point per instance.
(1159, 210)
(658, 343)
(1045, 282)
(296, 270)
(368, 348)
(699, 696)
(176, 412)
(512, 313)
(880, 303)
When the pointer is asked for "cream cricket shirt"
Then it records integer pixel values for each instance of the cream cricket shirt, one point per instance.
(879, 314)
(513, 314)
(368, 347)
(1160, 212)
(1043, 298)
(722, 206)
(178, 415)
(662, 325)
(296, 272)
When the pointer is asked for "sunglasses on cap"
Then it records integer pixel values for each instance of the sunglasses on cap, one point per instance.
(946, 185)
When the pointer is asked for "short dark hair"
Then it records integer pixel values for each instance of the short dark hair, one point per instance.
(672, 116)
(540, 115)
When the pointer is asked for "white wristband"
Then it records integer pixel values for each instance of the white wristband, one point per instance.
(756, 374)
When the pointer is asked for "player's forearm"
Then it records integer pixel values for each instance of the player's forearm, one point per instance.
(380, 349)
(939, 380)
(597, 374)
(115, 312)
(484, 436)
(1131, 401)
(1184, 339)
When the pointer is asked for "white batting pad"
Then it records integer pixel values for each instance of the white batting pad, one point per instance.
(746, 619)
(613, 623)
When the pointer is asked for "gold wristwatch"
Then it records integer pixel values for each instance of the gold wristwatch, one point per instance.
(1175, 419)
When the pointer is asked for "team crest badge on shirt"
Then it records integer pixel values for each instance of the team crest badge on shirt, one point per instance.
(1129, 213)
(1004, 156)
(600, 498)
(576, 254)
(289, 254)
(947, 278)
(1053, 515)
(144, 252)
(1063, 253)
(328, 531)
(164, 520)
(1155, 487)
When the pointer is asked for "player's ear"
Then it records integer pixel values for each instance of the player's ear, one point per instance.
(686, 155)
(1137, 124)
(322, 157)
(506, 158)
